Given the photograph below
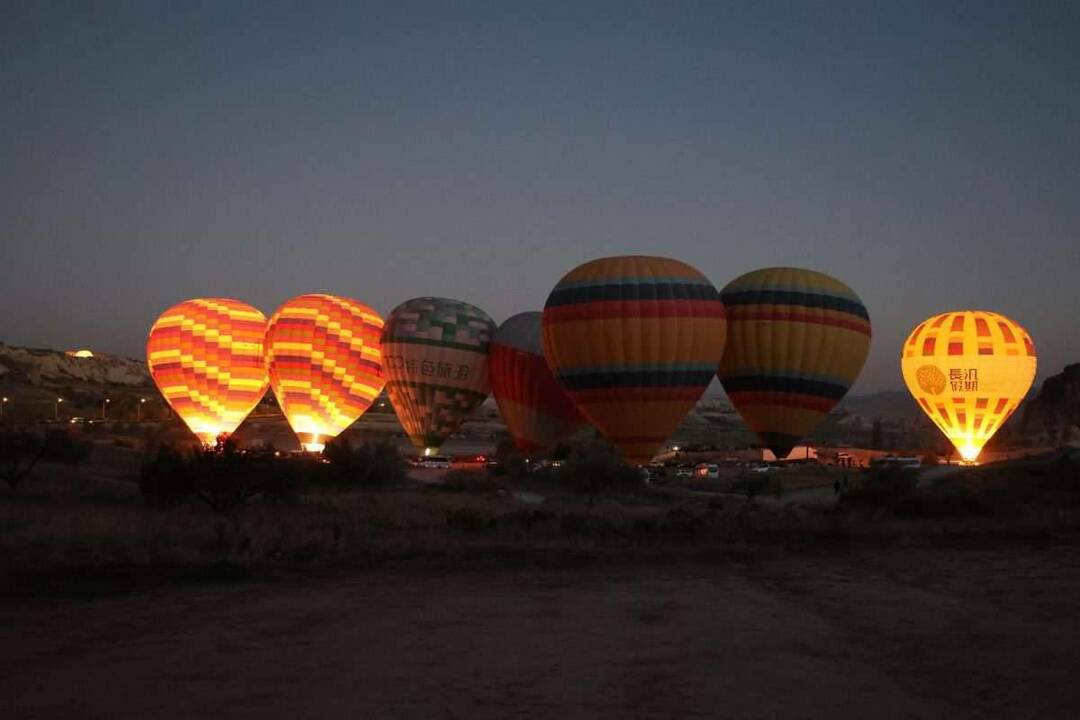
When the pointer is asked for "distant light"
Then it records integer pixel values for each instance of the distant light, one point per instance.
(675, 448)
(79, 353)
(142, 400)
(59, 400)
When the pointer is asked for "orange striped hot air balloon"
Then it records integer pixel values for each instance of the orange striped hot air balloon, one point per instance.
(206, 357)
(635, 342)
(968, 370)
(324, 358)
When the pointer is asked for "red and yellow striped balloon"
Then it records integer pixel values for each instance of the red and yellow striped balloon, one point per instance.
(537, 411)
(206, 357)
(324, 357)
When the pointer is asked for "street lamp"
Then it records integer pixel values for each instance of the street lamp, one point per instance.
(2, 404)
(104, 403)
(141, 401)
(56, 408)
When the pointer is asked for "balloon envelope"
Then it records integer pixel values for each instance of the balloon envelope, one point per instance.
(436, 358)
(537, 411)
(206, 357)
(324, 358)
(635, 341)
(968, 370)
(797, 340)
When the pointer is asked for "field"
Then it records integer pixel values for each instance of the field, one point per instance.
(472, 596)
(890, 634)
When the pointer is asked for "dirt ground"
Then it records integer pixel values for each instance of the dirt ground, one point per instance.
(902, 634)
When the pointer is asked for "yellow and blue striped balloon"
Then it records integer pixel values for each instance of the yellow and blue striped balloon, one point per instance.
(635, 341)
(797, 340)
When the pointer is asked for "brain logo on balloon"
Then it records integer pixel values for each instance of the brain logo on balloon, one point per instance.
(931, 379)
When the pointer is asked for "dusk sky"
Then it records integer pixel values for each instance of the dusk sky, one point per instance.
(926, 154)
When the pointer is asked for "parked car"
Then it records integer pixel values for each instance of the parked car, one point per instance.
(684, 471)
(892, 461)
(440, 462)
(465, 462)
(706, 471)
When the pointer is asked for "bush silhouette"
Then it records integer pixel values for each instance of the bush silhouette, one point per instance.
(227, 476)
(596, 468)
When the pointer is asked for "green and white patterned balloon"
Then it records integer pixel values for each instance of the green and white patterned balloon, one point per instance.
(435, 354)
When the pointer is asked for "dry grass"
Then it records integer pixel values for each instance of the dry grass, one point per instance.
(68, 520)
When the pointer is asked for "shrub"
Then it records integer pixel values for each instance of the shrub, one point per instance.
(223, 477)
(166, 479)
(883, 487)
(227, 476)
(511, 461)
(369, 465)
(19, 452)
(947, 500)
(754, 485)
(61, 446)
(387, 465)
(1063, 474)
(468, 481)
(596, 468)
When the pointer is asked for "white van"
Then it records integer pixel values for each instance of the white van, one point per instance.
(441, 462)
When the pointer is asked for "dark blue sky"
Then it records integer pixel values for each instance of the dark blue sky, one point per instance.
(926, 154)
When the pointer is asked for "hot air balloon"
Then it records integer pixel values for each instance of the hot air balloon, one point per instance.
(537, 411)
(797, 340)
(436, 354)
(324, 358)
(635, 341)
(206, 357)
(968, 370)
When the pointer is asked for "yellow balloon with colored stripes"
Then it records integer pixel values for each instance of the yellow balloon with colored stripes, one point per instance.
(797, 340)
(634, 341)
(969, 370)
